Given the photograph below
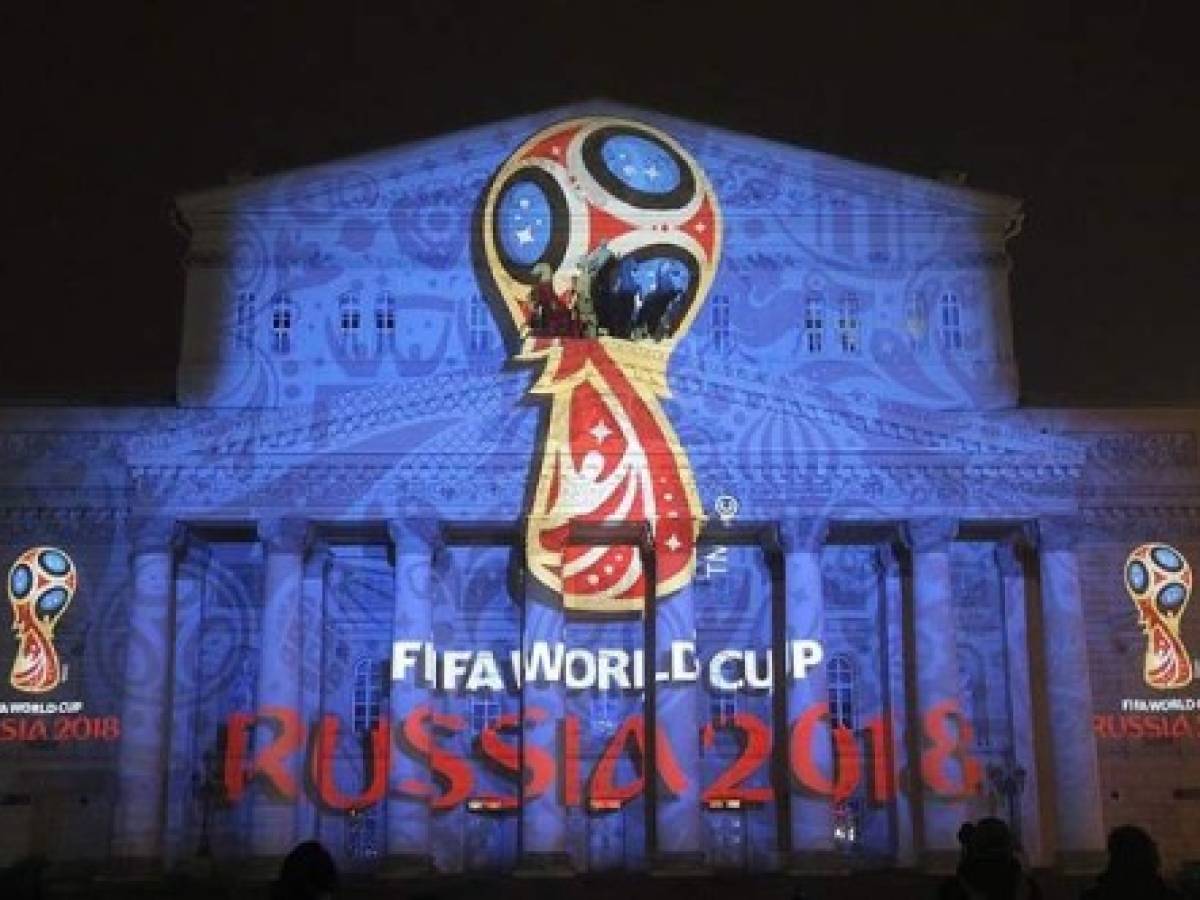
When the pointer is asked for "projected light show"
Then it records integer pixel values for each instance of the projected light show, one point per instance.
(594, 491)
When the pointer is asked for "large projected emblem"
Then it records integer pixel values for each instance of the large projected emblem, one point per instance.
(603, 236)
(41, 584)
(1159, 581)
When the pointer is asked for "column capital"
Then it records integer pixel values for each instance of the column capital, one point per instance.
(415, 534)
(928, 535)
(157, 534)
(1057, 533)
(799, 534)
(285, 534)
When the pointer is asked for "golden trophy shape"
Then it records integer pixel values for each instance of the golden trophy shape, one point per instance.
(1159, 582)
(602, 236)
(41, 584)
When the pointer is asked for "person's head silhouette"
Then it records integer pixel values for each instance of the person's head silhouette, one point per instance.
(307, 873)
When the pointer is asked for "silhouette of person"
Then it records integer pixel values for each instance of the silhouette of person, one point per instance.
(1132, 870)
(307, 873)
(653, 316)
(988, 868)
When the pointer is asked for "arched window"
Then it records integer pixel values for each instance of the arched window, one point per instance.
(350, 324)
(485, 710)
(814, 324)
(244, 331)
(916, 322)
(368, 694)
(722, 708)
(385, 324)
(849, 325)
(839, 676)
(722, 334)
(479, 327)
(950, 321)
(282, 318)
(363, 826)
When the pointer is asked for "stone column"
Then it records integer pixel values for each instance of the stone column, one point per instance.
(937, 677)
(544, 818)
(145, 709)
(273, 829)
(677, 704)
(804, 619)
(1079, 827)
(414, 543)
(896, 710)
(1025, 813)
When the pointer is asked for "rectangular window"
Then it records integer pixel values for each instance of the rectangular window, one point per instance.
(479, 327)
(385, 324)
(721, 331)
(281, 324)
(814, 325)
(484, 712)
(950, 309)
(244, 330)
(849, 325)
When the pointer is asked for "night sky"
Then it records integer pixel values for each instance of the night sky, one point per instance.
(1087, 111)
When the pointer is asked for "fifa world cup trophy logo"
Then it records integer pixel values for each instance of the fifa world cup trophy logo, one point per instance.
(1159, 581)
(41, 584)
(603, 236)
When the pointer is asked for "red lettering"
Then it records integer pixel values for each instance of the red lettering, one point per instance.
(539, 764)
(944, 747)
(446, 766)
(377, 760)
(846, 763)
(755, 749)
(881, 740)
(271, 761)
(604, 787)
(571, 778)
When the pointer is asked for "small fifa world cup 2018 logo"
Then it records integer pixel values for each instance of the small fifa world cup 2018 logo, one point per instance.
(41, 584)
(1159, 582)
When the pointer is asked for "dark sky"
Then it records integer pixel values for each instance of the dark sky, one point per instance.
(1088, 111)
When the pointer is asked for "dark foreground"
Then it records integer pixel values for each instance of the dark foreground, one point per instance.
(887, 885)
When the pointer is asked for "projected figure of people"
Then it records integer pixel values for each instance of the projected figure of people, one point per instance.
(609, 296)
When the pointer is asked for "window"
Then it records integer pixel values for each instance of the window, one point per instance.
(244, 330)
(606, 711)
(722, 708)
(849, 325)
(840, 679)
(385, 324)
(282, 316)
(950, 319)
(721, 333)
(362, 833)
(350, 323)
(368, 694)
(916, 322)
(479, 327)
(814, 324)
(485, 710)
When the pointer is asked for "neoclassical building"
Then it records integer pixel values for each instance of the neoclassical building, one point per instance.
(381, 576)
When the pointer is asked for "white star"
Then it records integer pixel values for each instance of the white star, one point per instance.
(652, 172)
(524, 204)
(525, 235)
(600, 431)
(699, 226)
(673, 543)
(593, 579)
(628, 169)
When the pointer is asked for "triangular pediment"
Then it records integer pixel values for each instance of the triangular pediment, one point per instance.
(362, 181)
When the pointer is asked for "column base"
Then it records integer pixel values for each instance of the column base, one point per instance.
(544, 864)
(407, 865)
(679, 864)
(939, 862)
(816, 862)
(1080, 862)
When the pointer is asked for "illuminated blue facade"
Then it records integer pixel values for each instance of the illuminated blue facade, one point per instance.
(353, 455)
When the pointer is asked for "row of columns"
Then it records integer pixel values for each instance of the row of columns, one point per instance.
(929, 828)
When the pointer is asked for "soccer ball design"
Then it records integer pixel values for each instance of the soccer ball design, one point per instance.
(582, 183)
(1159, 582)
(41, 584)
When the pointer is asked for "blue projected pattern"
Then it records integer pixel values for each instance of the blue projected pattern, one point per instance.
(526, 223)
(640, 163)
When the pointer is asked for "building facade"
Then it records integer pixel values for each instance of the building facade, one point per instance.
(384, 575)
